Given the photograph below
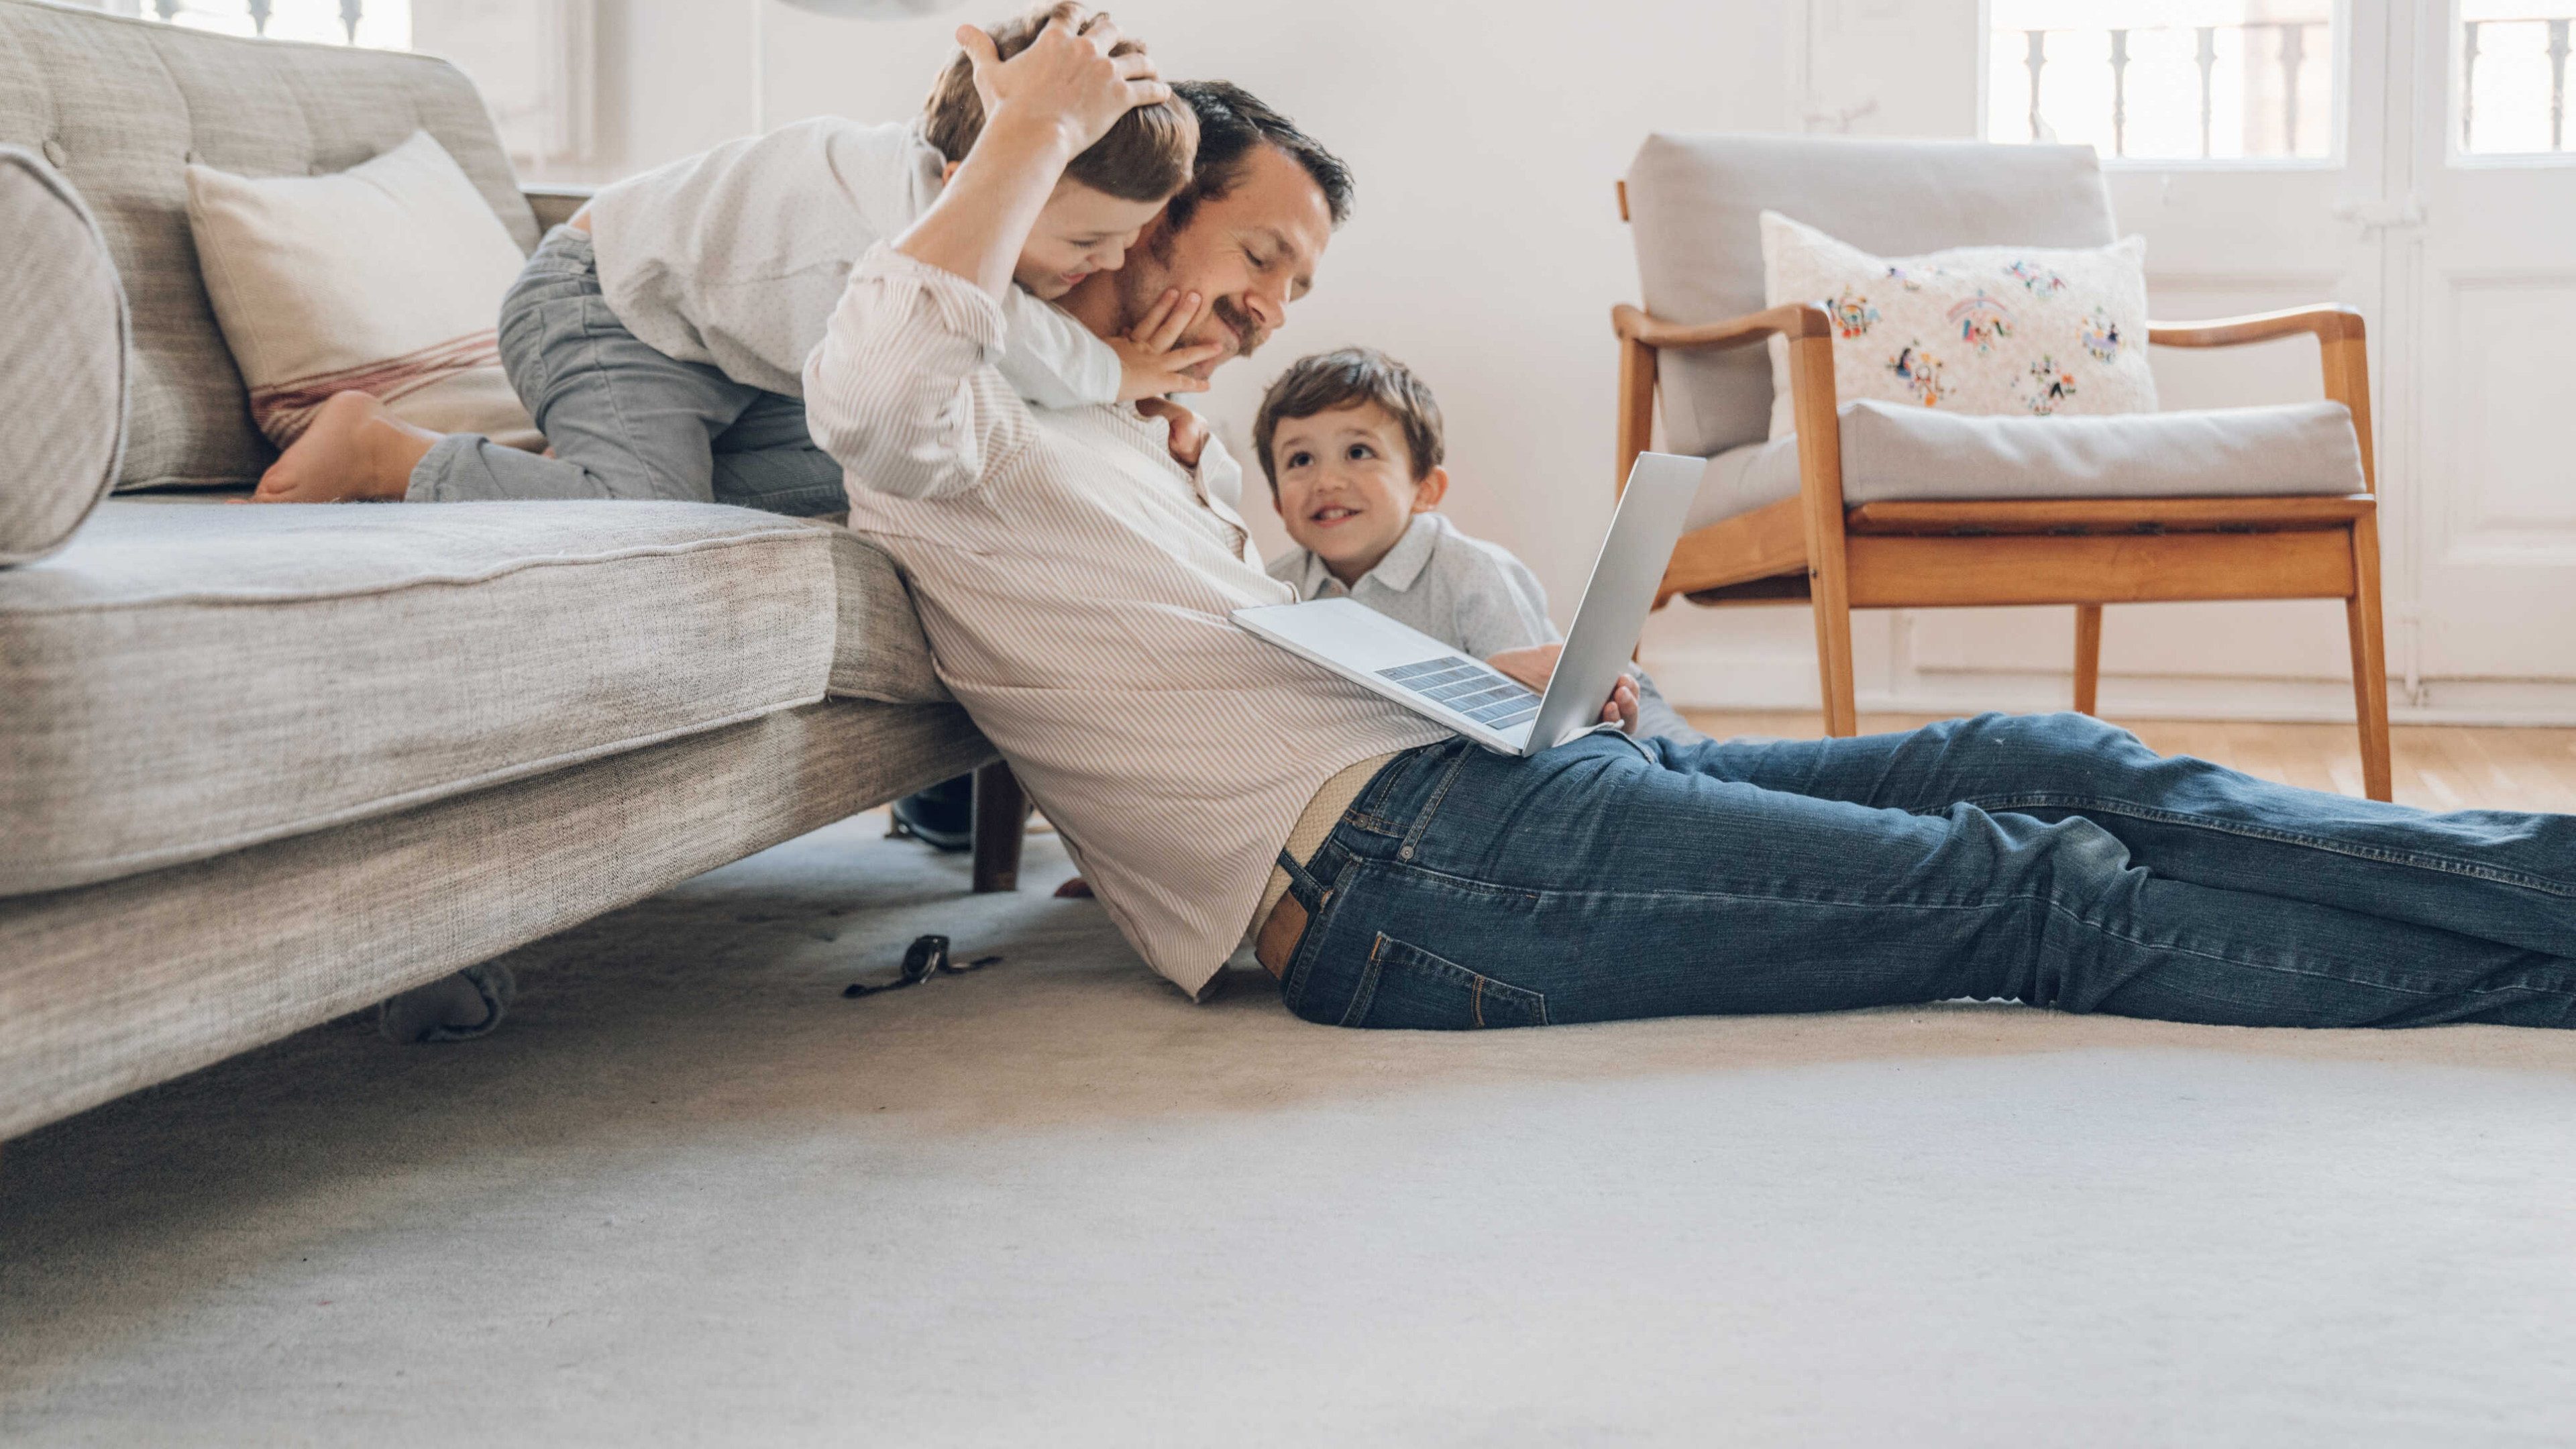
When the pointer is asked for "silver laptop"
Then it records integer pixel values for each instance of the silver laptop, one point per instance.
(1469, 696)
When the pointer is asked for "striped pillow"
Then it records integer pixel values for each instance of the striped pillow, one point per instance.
(385, 278)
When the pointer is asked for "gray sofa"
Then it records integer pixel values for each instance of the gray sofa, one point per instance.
(260, 766)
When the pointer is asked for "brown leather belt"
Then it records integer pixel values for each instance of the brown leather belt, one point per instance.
(1276, 943)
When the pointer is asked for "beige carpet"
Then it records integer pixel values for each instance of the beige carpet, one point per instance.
(691, 1195)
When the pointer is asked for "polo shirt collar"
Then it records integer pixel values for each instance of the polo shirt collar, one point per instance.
(1397, 571)
(1404, 562)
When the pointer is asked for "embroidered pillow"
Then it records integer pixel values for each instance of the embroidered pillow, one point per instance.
(2037, 330)
(385, 278)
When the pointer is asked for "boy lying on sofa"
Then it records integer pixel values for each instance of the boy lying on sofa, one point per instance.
(658, 339)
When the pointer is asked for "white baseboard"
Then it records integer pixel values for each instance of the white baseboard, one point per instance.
(1711, 679)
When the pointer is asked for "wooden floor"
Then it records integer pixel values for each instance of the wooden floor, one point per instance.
(2438, 767)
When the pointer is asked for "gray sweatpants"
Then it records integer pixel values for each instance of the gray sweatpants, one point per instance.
(625, 420)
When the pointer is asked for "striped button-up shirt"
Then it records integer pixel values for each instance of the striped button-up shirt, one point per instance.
(1076, 584)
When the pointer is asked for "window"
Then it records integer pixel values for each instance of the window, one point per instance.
(2165, 80)
(383, 24)
(2512, 77)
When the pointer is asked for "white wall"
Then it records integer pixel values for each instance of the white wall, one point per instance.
(1486, 248)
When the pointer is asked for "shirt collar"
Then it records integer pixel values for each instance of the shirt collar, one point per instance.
(1397, 571)
(1403, 563)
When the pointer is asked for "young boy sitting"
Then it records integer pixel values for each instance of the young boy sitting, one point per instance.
(1352, 444)
(659, 339)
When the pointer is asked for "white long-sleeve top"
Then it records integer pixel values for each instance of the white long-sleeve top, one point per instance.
(734, 257)
(1076, 585)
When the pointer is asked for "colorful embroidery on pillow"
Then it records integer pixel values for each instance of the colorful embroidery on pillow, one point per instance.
(2054, 386)
(2101, 336)
(2040, 280)
(1922, 373)
(1980, 320)
(2026, 331)
(1851, 312)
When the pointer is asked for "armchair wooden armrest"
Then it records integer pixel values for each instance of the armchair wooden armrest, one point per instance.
(555, 203)
(1642, 336)
(2329, 321)
(1790, 319)
(2343, 350)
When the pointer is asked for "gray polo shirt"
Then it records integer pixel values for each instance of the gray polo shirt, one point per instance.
(1469, 594)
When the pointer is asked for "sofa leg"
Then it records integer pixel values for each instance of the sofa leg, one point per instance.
(1001, 823)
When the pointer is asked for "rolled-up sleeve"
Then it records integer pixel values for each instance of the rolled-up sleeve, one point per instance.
(901, 392)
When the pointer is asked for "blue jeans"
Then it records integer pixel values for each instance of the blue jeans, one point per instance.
(625, 419)
(2052, 860)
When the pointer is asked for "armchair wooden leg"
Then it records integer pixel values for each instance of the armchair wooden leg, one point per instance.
(2088, 657)
(1001, 823)
(1820, 493)
(2369, 661)
(1834, 664)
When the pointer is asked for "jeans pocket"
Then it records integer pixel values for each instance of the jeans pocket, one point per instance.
(1406, 988)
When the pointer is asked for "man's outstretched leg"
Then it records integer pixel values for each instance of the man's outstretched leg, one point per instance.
(2502, 876)
(1589, 883)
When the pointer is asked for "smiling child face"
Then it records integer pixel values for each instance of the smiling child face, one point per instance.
(1080, 231)
(1345, 488)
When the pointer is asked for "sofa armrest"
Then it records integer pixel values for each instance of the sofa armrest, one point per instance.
(554, 204)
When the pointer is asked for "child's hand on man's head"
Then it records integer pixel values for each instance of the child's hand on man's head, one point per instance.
(1067, 78)
(1151, 360)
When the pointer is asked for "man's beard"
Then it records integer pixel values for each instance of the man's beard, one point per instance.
(1148, 275)
(1248, 332)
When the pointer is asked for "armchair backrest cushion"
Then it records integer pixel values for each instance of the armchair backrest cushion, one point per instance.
(122, 107)
(1695, 202)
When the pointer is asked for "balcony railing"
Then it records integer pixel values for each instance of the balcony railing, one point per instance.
(2253, 89)
(384, 23)
(2505, 67)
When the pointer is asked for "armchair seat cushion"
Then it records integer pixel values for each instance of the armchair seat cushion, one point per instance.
(1892, 452)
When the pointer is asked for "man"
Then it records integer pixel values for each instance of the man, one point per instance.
(1075, 583)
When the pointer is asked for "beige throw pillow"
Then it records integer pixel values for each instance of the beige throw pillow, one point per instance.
(2036, 330)
(385, 278)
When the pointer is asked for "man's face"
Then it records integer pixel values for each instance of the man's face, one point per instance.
(1249, 253)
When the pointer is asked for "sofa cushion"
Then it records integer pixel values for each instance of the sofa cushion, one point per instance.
(1891, 452)
(62, 381)
(187, 678)
(122, 107)
(387, 277)
(1694, 204)
(880, 652)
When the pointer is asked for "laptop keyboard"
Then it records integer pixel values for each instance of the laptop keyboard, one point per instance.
(1481, 694)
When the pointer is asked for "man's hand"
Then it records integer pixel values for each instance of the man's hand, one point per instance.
(1066, 79)
(1151, 361)
(1189, 432)
(1536, 665)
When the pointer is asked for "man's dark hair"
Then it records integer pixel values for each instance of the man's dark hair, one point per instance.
(1330, 380)
(1232, 121)
(1144, 157)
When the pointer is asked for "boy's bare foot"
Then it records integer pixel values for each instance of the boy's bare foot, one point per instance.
(353, 451)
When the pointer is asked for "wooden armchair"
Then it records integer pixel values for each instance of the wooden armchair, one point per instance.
(1948, 552)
